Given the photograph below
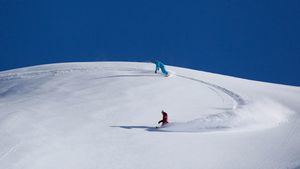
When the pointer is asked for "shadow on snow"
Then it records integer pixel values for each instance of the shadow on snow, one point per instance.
(147, 128)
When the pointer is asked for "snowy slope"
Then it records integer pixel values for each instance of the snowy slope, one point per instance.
(103, 115)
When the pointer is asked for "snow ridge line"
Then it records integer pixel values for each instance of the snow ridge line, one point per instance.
(13, 76)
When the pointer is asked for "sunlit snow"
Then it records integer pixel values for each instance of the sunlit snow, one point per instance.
(103, 115)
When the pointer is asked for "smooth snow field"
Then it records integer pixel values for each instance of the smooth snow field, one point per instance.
(103, 115)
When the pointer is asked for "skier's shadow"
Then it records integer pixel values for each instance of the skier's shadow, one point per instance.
(147, 128)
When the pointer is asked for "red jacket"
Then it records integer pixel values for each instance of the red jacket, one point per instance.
(165, 118)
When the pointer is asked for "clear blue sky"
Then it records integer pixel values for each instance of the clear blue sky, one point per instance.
(254, 39)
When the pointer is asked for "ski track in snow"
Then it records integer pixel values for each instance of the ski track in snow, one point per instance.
(241, 117)
(237, 98)
(214, 122)
(10, 150)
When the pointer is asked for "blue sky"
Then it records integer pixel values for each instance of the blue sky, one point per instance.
(254, 39)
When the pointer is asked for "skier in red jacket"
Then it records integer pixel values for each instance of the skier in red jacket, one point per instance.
(164, 119)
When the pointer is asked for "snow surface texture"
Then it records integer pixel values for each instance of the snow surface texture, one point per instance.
(103, 115)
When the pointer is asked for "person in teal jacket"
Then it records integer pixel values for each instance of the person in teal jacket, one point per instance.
(160, 65)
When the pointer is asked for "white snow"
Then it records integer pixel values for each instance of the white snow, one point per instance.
(103, 115)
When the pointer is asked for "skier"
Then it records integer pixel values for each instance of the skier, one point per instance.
(160, 65)
(164, 119)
